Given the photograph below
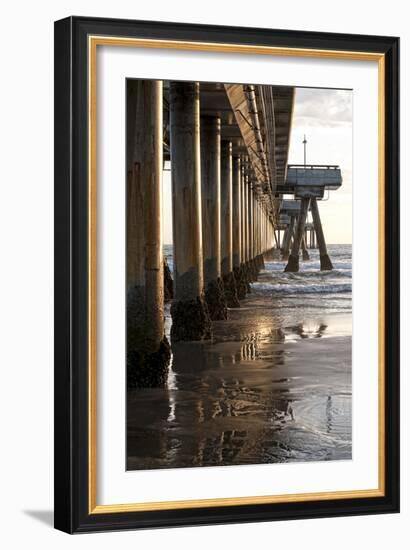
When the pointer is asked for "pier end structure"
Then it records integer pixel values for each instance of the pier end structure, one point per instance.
(148, 350)
(189, 310)
(308, 183)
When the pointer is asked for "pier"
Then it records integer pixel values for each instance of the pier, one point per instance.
(235, 204)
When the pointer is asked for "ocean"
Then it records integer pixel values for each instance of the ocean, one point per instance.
(273, 385)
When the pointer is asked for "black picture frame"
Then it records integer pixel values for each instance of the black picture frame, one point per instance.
(72, 277)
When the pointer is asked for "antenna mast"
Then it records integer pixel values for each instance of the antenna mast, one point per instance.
(304, 149)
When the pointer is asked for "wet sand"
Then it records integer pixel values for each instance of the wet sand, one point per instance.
(274, 385)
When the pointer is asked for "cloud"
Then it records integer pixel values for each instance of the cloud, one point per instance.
(323, 107)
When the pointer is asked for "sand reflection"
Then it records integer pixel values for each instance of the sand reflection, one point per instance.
(268, 388)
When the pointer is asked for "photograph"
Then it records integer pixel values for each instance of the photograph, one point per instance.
(238, 274)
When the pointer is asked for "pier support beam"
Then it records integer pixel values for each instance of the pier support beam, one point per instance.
(256, 221)
(257, 252)
(325, 263)
(277, 238)
(305, 253)
(252, 269)
(293, 262)
(148, 351)
(244, 226)
(168, 283)
(271, 239)
(313, 239)
(287, 237)
(237, 227)
(190, 315)
(263, 242)
(228, 276)
(261, 232)
(211, 216)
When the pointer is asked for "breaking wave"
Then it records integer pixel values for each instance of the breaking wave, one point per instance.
(283, 288)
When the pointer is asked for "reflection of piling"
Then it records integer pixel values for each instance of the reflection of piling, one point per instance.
(237, 227)
(226, 226)
(190, 316)
(293, 262)
(148, 351)
(211, 215)
(325, 263)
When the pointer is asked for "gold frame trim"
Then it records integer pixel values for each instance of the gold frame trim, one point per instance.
(93, 42)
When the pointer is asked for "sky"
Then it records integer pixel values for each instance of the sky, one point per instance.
(325, 117)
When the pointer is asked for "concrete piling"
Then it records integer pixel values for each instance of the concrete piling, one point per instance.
(293, 262)
(243, 239)
(228, 275)
(244, 225)
(211, 216)
(305, 253)
(325, 262)
(190, 315)
(252, 269)
(148, 351)
(287, 238)
(276, 237)
(255, 223)
(260, 261)
(263, 236)
(241, 287)
(312, 239)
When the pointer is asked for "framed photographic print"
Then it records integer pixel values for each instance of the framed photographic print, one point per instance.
(226, 274)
